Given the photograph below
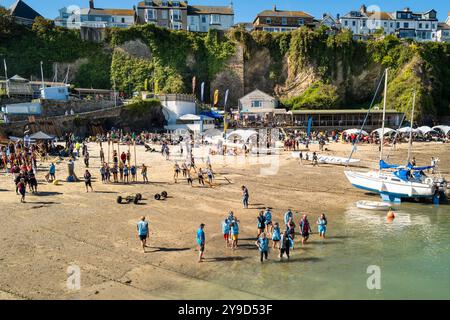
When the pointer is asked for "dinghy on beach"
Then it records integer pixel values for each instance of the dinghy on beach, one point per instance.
(373, 205)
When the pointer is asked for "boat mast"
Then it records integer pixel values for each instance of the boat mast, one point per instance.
(411, 131)
(6, 77)
(42, 75)
(384, 115)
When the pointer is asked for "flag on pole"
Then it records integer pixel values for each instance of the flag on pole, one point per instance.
(194, 84)
(226, 98)
(310, 120)
(203, 91)
(156, 89)
(216, 97)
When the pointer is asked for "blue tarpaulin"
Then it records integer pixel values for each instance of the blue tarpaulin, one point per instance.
(402, 174)
(211, 114)
(385, 165)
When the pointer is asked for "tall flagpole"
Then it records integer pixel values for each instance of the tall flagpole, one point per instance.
(384, 114)
(411, 131)
(6, 76)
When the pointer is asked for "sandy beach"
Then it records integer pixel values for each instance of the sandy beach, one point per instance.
(64, 226)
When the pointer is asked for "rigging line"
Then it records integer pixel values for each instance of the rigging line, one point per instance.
(365, 119)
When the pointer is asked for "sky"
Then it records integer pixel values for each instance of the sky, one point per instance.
(246, 10)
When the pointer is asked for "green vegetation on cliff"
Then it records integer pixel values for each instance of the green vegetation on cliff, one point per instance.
(304, 68)
(24, 49)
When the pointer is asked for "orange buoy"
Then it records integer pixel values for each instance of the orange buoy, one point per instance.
(390, 216)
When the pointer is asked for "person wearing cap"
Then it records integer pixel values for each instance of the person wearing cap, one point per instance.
(201, 242)
(143, 234)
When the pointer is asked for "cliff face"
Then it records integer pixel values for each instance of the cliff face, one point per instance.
(304, 68)
(314, 69)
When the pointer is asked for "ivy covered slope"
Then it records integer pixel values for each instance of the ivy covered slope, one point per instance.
(319, 69)
(148, 57)
(24, 48)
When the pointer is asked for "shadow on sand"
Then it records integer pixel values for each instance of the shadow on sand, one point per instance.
(225, 259)
(168, 249)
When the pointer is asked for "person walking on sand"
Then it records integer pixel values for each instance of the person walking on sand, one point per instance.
(126, 174)
(176, 172)
(52, 172)
(86, 159)
(285, 244)
(234, 234)
(22, 189)
(133, 172)
(263, 245)
(276, 235)
(144, 173)
(102, 155)
(201, 240)
(201, 180)
(322, 225)
(87, 181)
(245, 197)
(315, 160)
(226, 232)
(305, 229)
(210, 176)
(143, 232)
(189, 178)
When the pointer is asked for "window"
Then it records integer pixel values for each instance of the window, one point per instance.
(165, 14)
(284, 21)
(215, 19)
(203, 19)
(392, 25)
(385, 24)
(433, 26)
(426, 25)
(346, 23)
(364, 23)
(150, 14)
(175, 15)
(301, 22)
(268, 20)
(257, 104)
(175, 3)
(123, 20)
(420, 26)
(353, 23)
(406, 25)
(177, 26)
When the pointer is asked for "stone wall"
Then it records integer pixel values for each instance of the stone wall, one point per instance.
(52, 108)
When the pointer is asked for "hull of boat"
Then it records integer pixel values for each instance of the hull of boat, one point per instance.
(389, 185)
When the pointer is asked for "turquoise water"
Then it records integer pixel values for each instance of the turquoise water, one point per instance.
(413, 254)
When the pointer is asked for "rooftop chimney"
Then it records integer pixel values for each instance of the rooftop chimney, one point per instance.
(91, 4)
(363, 9)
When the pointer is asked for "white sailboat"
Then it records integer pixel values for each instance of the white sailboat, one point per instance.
(396, 183)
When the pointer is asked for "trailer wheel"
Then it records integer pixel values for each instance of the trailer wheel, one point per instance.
(164, 194)
(157, 196)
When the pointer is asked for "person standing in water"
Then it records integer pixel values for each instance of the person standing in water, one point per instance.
(143, 232)
(322, 225)
(305, 229)
(201, 240)
(263, 245)
(261, 223)
(285, 244)
(269, 224)
(276, 235)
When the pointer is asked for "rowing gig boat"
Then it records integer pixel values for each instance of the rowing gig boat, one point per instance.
(373, 205)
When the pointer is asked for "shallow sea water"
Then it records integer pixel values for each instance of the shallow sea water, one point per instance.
(412, 252)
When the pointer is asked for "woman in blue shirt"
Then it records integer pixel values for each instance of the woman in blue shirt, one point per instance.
(226, 232)
(276, 235)
(322, 225)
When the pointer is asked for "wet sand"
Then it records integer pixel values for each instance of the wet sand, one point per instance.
(63, 225)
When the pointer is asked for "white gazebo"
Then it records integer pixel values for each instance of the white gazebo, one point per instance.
(444, 129)
(356, 131)
(387, 131)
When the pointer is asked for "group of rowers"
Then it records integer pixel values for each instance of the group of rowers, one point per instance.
(281, 240)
